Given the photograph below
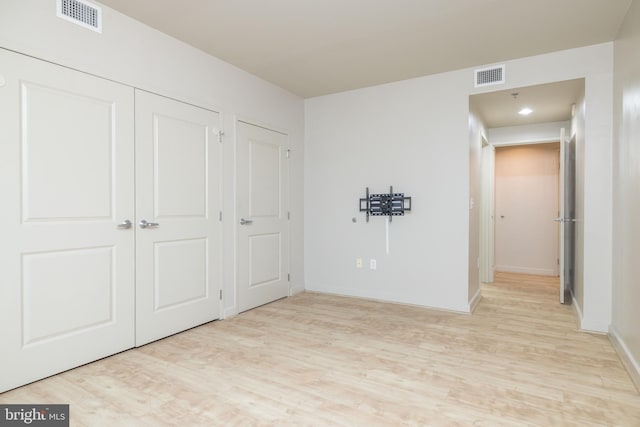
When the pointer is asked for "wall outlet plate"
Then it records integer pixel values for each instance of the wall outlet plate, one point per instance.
(373, 264)
(359, 262)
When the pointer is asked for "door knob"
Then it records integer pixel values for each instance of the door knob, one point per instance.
(246, 221)
(145, 224)
(125, 224)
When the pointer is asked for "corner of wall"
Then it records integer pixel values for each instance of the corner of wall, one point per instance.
(576, 309)
(229, 312)
(630, 363)
(625, 293)
(474, 301)
(477, 132)
(296, 289)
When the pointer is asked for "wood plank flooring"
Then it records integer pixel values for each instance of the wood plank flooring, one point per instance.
(324, 360)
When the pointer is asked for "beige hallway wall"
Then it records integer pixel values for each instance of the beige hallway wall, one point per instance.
(526, 204)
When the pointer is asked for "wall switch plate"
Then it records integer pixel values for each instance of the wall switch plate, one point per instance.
(359, 262)
(373, 264)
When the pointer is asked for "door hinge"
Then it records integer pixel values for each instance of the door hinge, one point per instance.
(288, 277)
(220, 135)
(220, 294)
(220, 216)
(558, 260)
(288, 215)
(288, 153)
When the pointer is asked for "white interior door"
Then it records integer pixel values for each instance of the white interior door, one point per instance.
(66, 183)
(178, 268)
(567, 216)
(262, 206)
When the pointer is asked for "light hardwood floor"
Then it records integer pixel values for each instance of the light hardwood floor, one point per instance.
(325, 360)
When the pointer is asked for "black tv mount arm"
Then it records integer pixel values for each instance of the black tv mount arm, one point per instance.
(390, 204)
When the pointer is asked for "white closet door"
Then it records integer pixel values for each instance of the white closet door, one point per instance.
(178, 191)
(66, 183)
(262, 203)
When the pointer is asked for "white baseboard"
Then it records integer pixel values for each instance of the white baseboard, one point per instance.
(582, 325)
(230, 312)
(475, 301)
(384, 297)
(296, 290)
(630, 363)
(525, 270)
(233, 311)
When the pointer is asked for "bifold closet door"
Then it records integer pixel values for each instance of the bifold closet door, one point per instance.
(178, 233)
(67, 190)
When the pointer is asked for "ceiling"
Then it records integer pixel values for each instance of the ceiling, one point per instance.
(317, 47)
(550, 103)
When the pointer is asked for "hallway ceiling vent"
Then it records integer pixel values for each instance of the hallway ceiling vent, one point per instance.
(490, 76)
(81, 12)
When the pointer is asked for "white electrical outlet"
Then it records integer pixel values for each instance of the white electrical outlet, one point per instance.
(359, 262)
(373, 264)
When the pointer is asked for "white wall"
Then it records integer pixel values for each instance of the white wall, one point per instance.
(414, 134)
(477, 132)
(527, 134)
(136, 55)
(594, 165)
(626, 160)
(578, 129)
(526, 198)
(487, 215)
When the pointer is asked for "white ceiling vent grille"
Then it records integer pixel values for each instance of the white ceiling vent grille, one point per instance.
(490, 76)
(81, 12)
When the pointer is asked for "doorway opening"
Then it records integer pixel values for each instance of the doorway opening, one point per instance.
(526, 212)
(526, 204)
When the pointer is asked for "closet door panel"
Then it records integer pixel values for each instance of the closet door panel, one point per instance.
(66, 183)
(178, 198)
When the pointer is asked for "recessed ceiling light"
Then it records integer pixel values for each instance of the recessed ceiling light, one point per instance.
(525, 111)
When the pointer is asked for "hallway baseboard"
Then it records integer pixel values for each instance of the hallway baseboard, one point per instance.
(525, 270)
(628, 360)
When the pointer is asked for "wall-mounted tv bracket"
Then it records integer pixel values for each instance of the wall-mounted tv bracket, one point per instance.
(391, 204)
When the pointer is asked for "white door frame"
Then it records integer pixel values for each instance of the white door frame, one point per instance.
(487, 221)
(487, 194)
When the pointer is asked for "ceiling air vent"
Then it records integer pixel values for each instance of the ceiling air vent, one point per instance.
(490, 76)
(81, 12)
